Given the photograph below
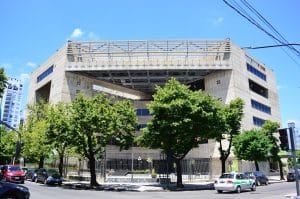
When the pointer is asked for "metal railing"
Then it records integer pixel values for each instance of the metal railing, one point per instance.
(164, 52)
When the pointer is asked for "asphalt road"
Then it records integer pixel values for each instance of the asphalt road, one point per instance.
(272, 191)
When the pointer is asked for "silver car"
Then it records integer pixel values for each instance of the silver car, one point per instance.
(234, 182)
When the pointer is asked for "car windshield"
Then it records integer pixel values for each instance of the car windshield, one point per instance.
(227, 175)
(52, 171)
(14, 168)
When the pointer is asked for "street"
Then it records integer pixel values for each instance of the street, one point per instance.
(274, 191)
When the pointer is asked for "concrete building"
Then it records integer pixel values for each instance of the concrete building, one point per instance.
(131, 69)
(11, 102)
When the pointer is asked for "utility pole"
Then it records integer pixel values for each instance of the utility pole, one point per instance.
(293, 150)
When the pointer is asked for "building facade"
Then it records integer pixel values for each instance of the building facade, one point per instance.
(11, 103)
(132, 69)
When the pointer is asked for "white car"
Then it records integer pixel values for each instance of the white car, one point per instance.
(234, 182)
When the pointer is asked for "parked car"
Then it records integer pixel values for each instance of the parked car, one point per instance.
(31, 174)
(234, 182)
(10, 190)
(291, 176)
(259, 177)
(50, 176)
(12, 173)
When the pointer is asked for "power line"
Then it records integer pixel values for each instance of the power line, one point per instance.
(270, 46)
(265, 21)
(248, 17)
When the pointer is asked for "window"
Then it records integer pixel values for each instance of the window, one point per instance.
(256, 72)
(44, 74)
(143, 112)
(261, 107)
(258, 121)
(260, 90)
(140, 126)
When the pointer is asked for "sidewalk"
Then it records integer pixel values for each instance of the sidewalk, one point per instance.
(140, 187)
(148, 187)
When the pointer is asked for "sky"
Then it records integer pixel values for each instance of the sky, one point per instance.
(32, 30)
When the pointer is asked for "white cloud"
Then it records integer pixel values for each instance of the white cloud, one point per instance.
(279, 87)
(218, 21)
(24, 77)
(77, 32)
(291, 121)
(92, 36)
(31, 64)
(5, 66)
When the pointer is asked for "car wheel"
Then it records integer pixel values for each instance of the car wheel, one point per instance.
(219, 191)
(11, 196)
(238, 189)
(253, 188)
(267, 182)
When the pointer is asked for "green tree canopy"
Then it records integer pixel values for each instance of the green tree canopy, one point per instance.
(3, 81)
(58, 130)
(253, 145)
(233, 114)
(182, 119)
(35, 145)
(95, 121)
(271, 129)
(8, 143)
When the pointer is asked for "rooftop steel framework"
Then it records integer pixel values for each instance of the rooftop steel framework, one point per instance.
(141, 65)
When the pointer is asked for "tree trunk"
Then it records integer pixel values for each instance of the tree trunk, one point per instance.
(256, 165)
(281, 169)
(61, 163)
(223, 162)
(179, 173)
(93, 181)
(41, 162)
(91, 157)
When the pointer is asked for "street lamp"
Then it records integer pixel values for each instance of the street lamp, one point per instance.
(139, 162)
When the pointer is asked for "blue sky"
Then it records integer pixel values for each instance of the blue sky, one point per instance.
(32, 30)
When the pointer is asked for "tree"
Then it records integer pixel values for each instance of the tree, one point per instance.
(8, 143)
(233, 114)
(35, 145)
(58, 130)
(3, 81)
(182, 119)
(269, 128)
(253, 145)
(95, 121)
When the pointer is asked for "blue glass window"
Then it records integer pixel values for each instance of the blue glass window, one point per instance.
(259, 106)
(142, 112)
(140, 126)
(256, 72)
(258, 121)
(44, 74)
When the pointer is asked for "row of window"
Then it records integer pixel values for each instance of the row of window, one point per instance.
(258, 89)
(44, 74)
(143, 112)
(256, 72)
(140, 126)
(261, 107)
(258, 121)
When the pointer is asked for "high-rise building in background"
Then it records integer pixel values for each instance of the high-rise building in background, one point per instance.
(11, 102)
(132, 69)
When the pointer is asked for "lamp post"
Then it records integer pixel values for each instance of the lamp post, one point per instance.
(139, 162)
(293, 150)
